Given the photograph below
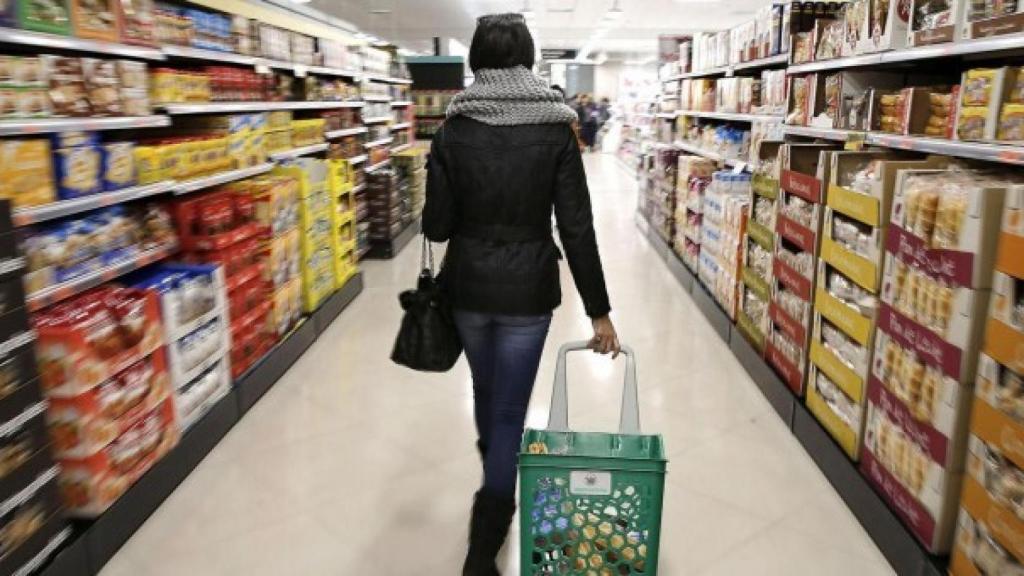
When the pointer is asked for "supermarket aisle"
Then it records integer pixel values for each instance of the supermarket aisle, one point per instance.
(353, 466)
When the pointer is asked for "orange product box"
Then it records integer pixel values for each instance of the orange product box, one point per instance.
(82, 425)
(85, 341)
(90, 485)
(97, 19)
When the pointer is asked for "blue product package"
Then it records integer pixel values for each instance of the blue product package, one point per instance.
(78, 172)
(76, 139)
(118, 165)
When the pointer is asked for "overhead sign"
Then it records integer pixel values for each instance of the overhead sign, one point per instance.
(558, 53)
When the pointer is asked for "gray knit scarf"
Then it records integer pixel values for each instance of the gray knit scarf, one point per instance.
(510, 97)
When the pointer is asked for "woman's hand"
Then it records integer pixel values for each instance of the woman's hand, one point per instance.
(605, 339)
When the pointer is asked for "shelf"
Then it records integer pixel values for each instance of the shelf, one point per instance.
(822, 133)
(43, 298)
(187, 52)
(359, 188)
(720, 71)
(378, 143)
(385, 79)
(300, 151)
(376, 119)
(229, 107)
(194, 184)
(977, 49)
(734, 117)
(57, 42)
(331, 135)
(400, 148)
(991, 152)
(376, 98)
(358, 159)
(401, 126)
(693, 149)
(976, 150)
(777, 60)
(667, 115)
(26, 216)
(401, 103)
(46, 125)
(325, 71)
(377, 166)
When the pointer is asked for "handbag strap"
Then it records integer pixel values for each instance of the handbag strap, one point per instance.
(427, 256)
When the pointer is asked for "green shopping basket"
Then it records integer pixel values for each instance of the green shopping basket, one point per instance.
(590, 503)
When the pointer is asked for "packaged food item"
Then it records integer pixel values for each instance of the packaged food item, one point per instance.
(87, 340)
(67, 89)
(103, 85)
(90, 485)
(29, 512)
(1011, 123)
(118, 165)
(82, 425)
(78, 171)
(97, 19)
(52, 16)
(139, 19)
(27, 170)
(978, 86)
(973, 121)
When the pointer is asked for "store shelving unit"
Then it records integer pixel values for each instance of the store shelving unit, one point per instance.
(189, 186)
(694, 149)
(53, 294)
(834, 134)
(96, 543)
(13, 36)
(401, 126)
(49, 125)
(378, 143)
(991, 152)
(27, 216)
(189, 53)
(297, 152)
(376, 98)
(377, 166)
(334, 134)
(401, 103)
(386, 250)
(731, 117)
(376, 119)
(898, 545)
(231, 107)
(400, 148)
(982, 47)
(776, 61)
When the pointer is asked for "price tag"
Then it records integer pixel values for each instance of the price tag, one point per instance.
(262, 69)
(739, 167)
(300, 71)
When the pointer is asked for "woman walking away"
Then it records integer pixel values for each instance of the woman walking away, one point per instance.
(503, 159)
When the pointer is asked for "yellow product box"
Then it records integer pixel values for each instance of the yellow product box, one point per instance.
(148, 165)
(26, 172)
(850, 381)
(286, 306)
(347, 231)
(314, 243)
(1011, 239)
(974, 542)
(279, 119)
(840, 417)
(344, 217)
(843, 316)
(1005, 344)
(313, 207)
(277, 140)
(282, 255)
(856, 267)
(340, 175)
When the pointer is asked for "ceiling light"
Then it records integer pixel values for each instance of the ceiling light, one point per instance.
(614, 13)
(526, 12)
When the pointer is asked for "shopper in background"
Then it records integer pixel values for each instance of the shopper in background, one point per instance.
(589, 117)
(502, 160)
(560, 90)
(605, 109)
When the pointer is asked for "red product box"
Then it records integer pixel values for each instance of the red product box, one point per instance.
(90, 485)
(248, 296)
(84, 342)
(234, 258)
(82, 425)
(250, 338)
(213, 221)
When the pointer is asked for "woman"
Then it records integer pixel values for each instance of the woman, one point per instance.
(590, 121)
(505, 156)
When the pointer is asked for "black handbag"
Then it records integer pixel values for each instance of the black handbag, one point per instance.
(427, 339)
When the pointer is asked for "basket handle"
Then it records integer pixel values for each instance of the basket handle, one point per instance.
(629, 417)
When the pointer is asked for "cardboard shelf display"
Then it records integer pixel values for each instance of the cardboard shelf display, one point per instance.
(692, 177)
(752, 316)
(803, 168)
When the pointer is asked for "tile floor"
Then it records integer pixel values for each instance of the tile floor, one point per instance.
(353, 466)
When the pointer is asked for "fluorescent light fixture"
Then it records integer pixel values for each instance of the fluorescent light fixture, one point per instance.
(601, 58)
(407, 52)
(600, 33)
(380, 43)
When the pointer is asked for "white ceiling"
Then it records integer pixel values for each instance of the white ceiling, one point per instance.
(559, 23)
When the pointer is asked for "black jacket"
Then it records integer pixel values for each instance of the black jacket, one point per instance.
(490, 191)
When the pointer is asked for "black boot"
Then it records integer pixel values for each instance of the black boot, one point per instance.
(488, 529)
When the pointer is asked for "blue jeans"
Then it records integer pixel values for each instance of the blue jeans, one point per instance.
(504, 353)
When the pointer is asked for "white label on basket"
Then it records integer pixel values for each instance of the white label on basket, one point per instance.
(589, 483)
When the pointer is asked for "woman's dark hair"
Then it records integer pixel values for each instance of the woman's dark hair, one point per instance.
(501, 41)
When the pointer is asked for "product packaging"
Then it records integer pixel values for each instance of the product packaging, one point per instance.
(50, 16)
(28, 172)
